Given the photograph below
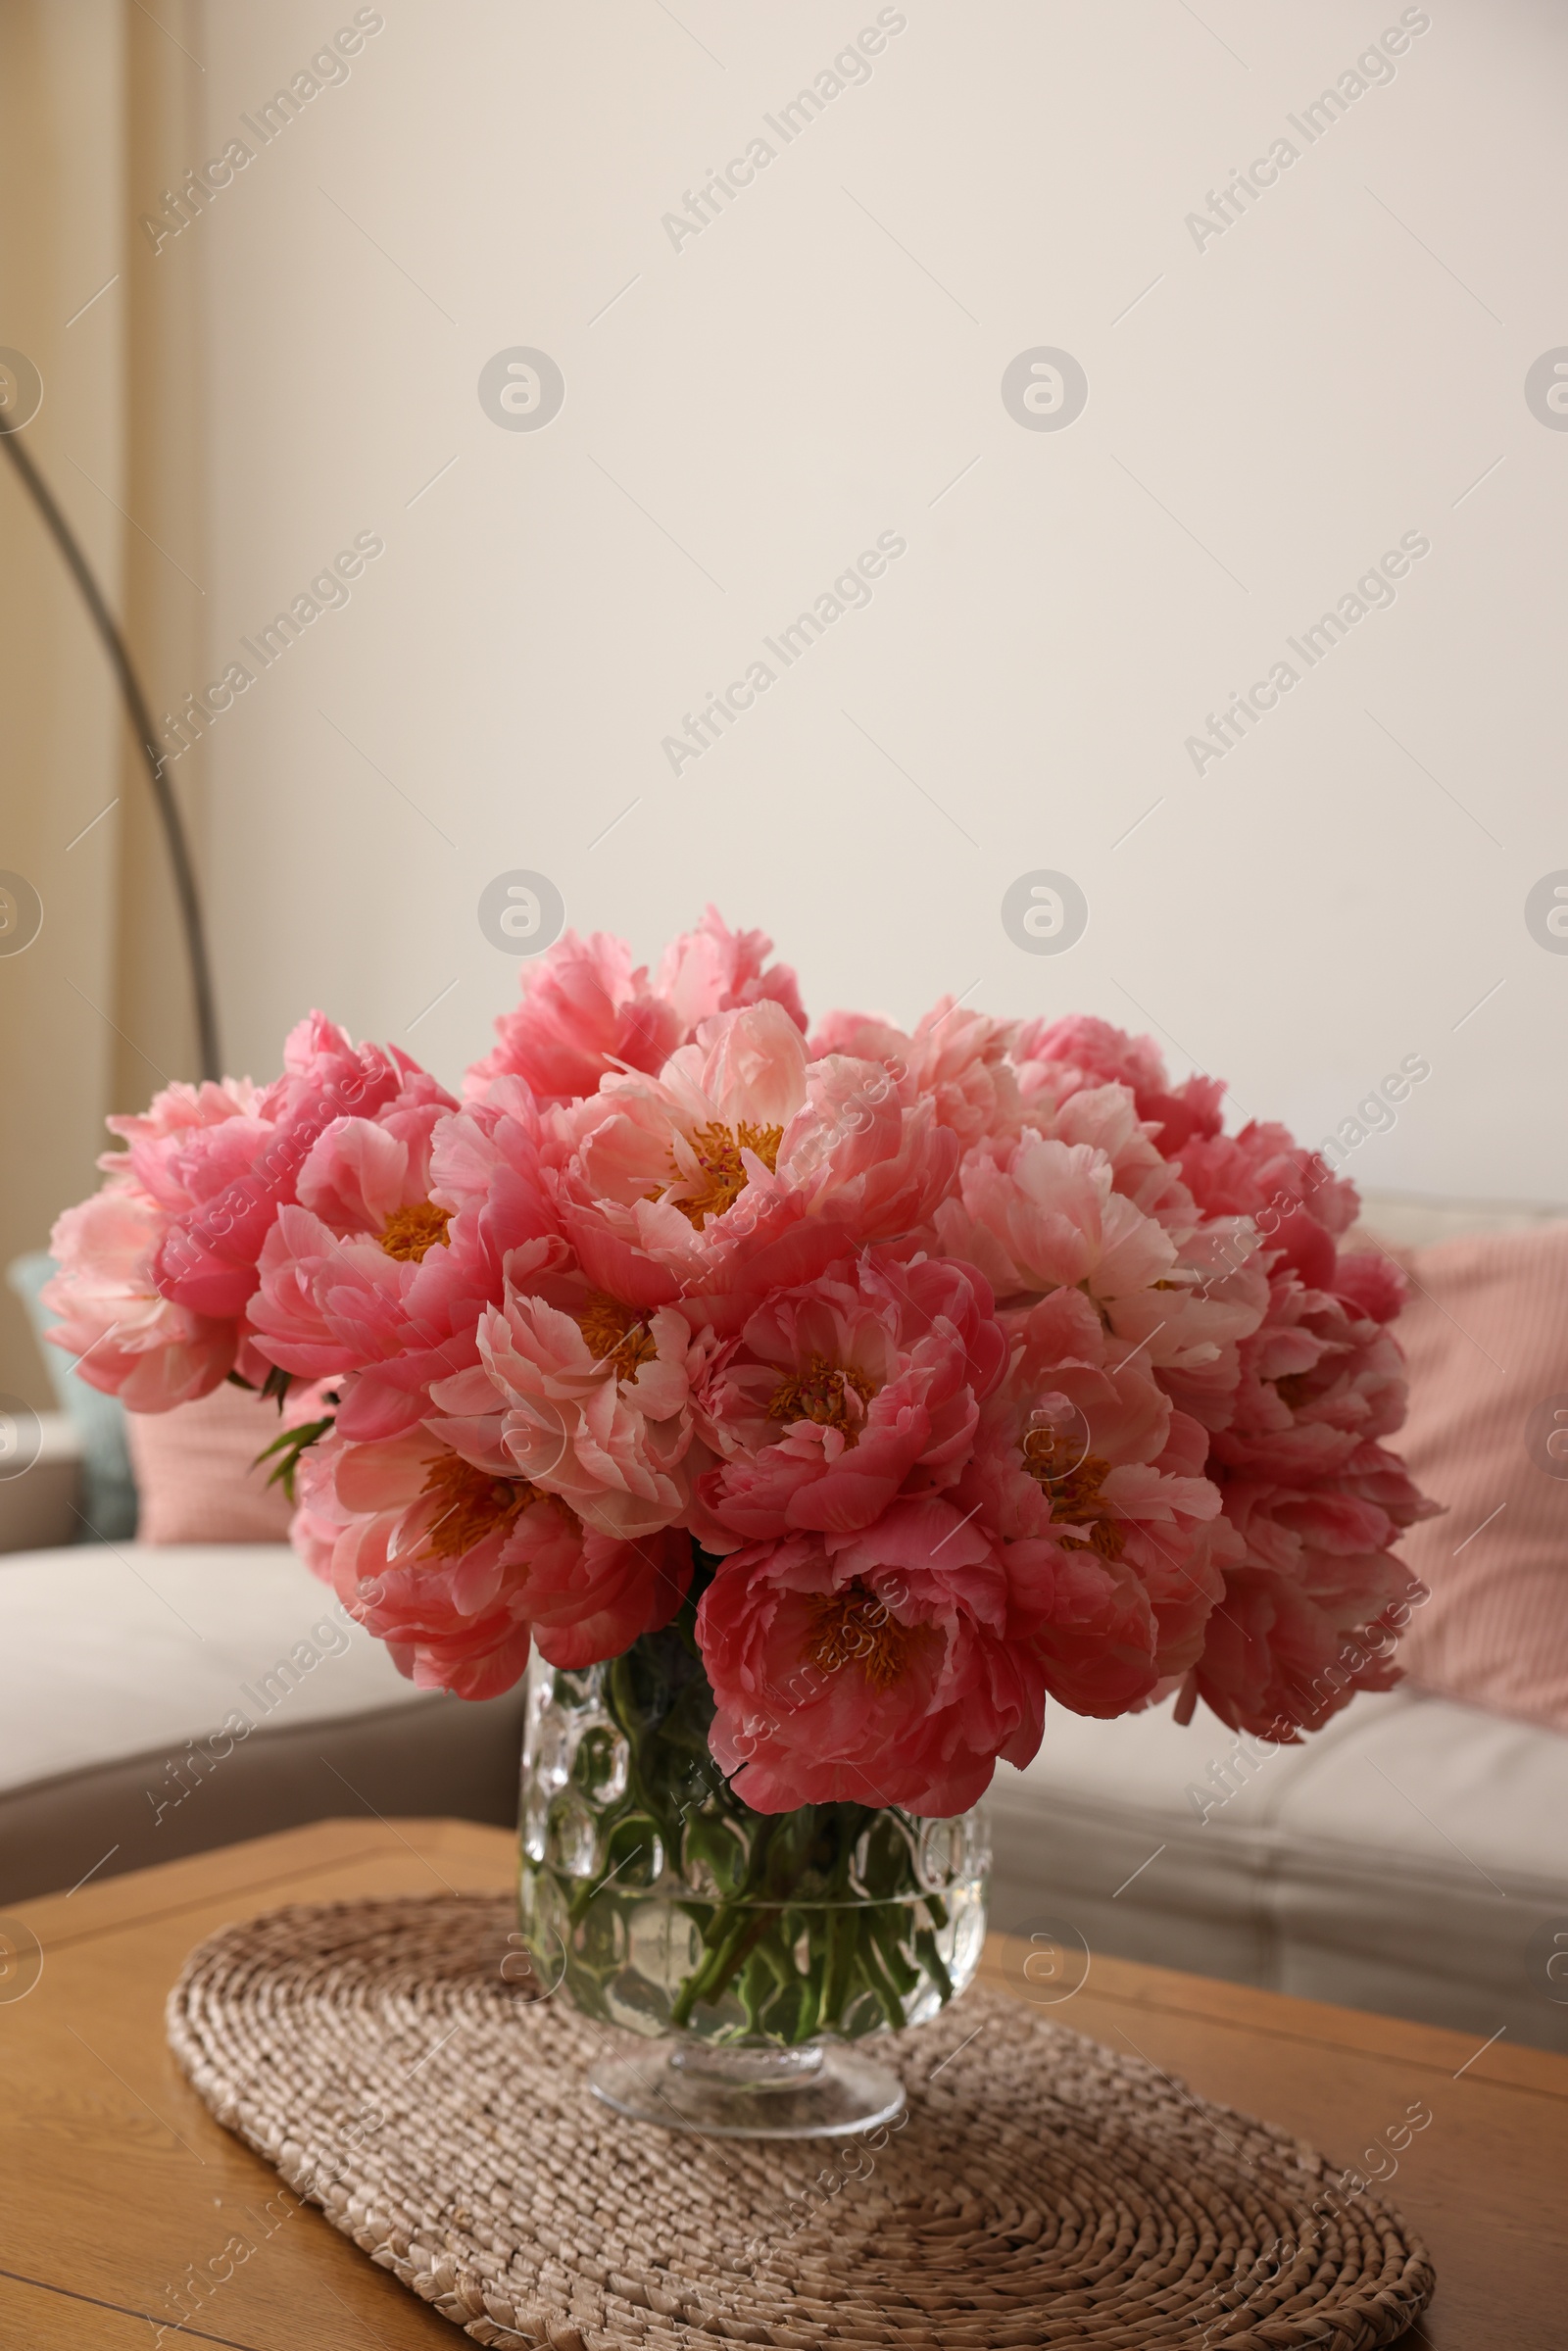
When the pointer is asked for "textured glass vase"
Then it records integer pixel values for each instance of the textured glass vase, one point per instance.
(758, 1950)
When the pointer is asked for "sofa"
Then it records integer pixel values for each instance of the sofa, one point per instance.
(1409, 1859)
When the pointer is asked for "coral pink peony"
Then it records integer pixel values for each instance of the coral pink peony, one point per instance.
(871, 1668)
(1081, 1463)
(426, 1217)
(455, 1567)
(590, 1605)
(1315, 1498)
(840, 1393)
(233, 1178)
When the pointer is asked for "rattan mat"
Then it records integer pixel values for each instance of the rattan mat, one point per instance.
(1045, 2190)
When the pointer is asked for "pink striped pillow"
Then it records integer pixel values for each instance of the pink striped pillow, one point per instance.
(194, 1474)
(1487, 1336)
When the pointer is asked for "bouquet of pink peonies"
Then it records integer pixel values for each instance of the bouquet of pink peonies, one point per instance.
(929, 1375)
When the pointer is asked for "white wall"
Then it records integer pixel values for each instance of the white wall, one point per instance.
(1336, 370)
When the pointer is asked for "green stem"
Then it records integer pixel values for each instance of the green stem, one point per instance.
(807, 1934)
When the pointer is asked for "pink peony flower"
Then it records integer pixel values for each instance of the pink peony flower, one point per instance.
(839, 1395)
(714, 970)
(591, 1606)
(1037, 1215)
(426, 1215)
(235, 1177)
(1107, 1117)
(1081, 1467)
(1315, 1498)
(1297, 1206)
(454, 1566)
(1061, 1056)
(591, 1405)
(739, 1170)
(585, 1011)
(433, 1557)
(127, 1336)
(870, 1668)
(957, 1060)
(1293, 1640)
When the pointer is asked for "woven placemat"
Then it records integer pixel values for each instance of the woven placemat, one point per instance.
(1045, 2190)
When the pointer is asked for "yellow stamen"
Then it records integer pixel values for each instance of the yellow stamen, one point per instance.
(722, 1175)
(854, 1626)
(1074, 1491)
(818, 1394)
(616, 1334)
(408, 1232)
(476, 1504)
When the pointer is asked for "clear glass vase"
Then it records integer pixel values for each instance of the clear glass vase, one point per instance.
(756, 1952)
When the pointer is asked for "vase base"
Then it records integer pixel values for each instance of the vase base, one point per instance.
(844, 2093)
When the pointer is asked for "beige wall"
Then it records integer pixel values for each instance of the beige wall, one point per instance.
(95, 1010)
(1336, 369)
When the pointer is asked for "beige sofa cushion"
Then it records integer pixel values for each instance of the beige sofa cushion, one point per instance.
(158, 1702)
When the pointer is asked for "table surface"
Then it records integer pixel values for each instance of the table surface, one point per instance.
(114, 2177)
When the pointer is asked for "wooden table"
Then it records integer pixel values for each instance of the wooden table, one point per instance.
(114, 2176)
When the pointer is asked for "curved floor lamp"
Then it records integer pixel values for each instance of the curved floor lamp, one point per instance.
(135, 702)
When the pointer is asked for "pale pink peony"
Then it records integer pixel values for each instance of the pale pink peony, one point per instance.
(740, 1170)
(588, 1399)
(127, 1339)
(585, 1011)
(131, 1340)
(714, 970)
(840, 1393)
(1038, 1215)
(872, 1668)
(1107, 1117)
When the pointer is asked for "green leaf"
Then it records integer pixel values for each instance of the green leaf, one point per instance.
(289, 1447)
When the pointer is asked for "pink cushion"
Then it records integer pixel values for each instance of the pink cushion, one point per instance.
(194, 1475)
(1487, 1336)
